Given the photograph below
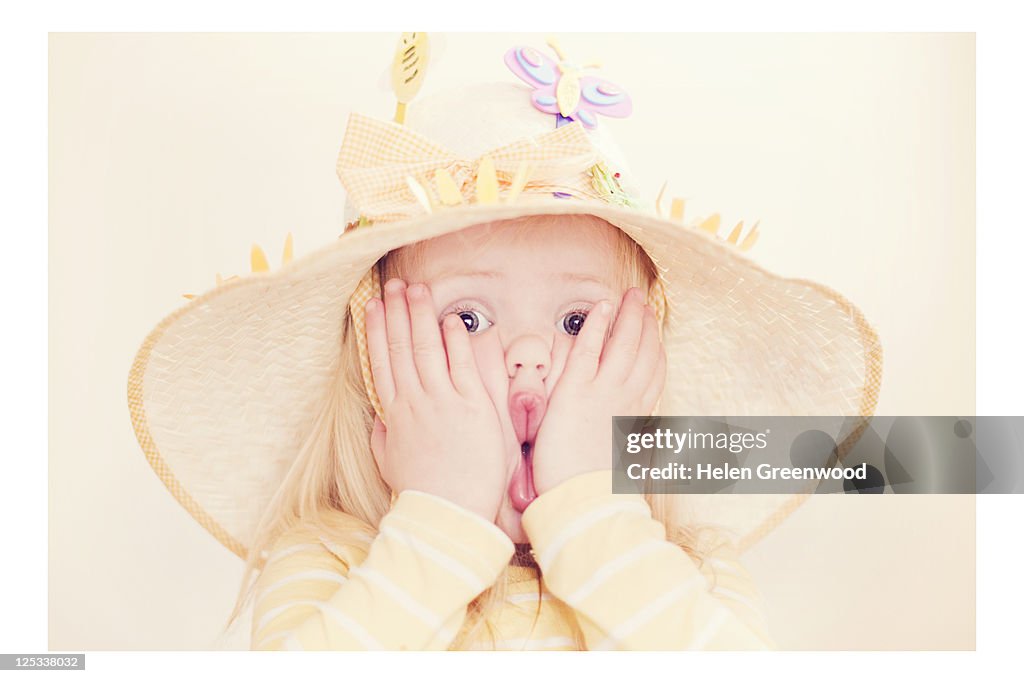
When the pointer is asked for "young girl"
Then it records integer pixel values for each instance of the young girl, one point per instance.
(443, 480)
(498, 433)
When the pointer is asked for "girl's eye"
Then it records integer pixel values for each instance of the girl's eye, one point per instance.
(573, 321)
(474, 320)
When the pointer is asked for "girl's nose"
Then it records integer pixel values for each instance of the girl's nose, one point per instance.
(530, 354)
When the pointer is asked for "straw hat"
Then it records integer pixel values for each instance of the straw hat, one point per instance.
(224, 390)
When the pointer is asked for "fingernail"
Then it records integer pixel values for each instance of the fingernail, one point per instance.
(372, 305)
(394, 286)
(604, 308)
(416, 291)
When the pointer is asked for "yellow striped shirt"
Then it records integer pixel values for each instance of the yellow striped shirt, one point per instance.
(605, 565)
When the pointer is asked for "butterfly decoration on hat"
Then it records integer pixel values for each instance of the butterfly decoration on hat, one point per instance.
(560, 88)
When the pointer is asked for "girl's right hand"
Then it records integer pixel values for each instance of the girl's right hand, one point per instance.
(443, 434)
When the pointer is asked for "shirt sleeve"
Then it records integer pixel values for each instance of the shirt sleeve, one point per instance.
(408, 591)
(605, 556)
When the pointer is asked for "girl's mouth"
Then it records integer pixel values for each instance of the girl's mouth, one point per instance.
(520, 489)
(526, 408)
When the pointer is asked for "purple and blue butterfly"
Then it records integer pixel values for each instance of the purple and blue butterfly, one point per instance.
(561, 89)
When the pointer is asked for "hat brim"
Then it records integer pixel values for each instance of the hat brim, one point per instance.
(224, 390)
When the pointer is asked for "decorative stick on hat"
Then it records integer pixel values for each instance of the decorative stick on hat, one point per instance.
(409, 69)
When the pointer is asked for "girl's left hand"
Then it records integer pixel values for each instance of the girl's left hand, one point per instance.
(624, 376)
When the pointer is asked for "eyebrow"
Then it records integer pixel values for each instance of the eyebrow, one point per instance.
(492, 275)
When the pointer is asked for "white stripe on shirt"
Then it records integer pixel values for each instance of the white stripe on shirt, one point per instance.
(352, 627)
(419, 529)
(270, 615)
(529, 597)
(291, 550)
(313, 575)
(648, 612)
(491, 527)
(453, 566)
(271, 638)
(400, 595)
(583, 522)
(612, 567)
(341, 552)
(709, 630)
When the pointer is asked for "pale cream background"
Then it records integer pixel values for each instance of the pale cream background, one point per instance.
(170, 154)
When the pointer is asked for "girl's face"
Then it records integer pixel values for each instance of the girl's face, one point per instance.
(523, 292)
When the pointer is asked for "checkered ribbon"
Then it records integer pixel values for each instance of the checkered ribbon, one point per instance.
(376, 157)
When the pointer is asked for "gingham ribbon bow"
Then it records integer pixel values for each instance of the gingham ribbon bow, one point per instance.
(377, 157)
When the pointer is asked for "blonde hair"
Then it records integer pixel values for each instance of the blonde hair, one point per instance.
(335, 470)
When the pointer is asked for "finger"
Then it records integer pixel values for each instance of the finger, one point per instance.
(646, 353)
(396, 314)
(585, 356)
(377, 345)
(489, 355)
(652, 394)
(619, 353)
(377, 440)
(427, 350)
(559, 356)
(461, 364)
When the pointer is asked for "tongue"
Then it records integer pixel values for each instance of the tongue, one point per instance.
(521, 490)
